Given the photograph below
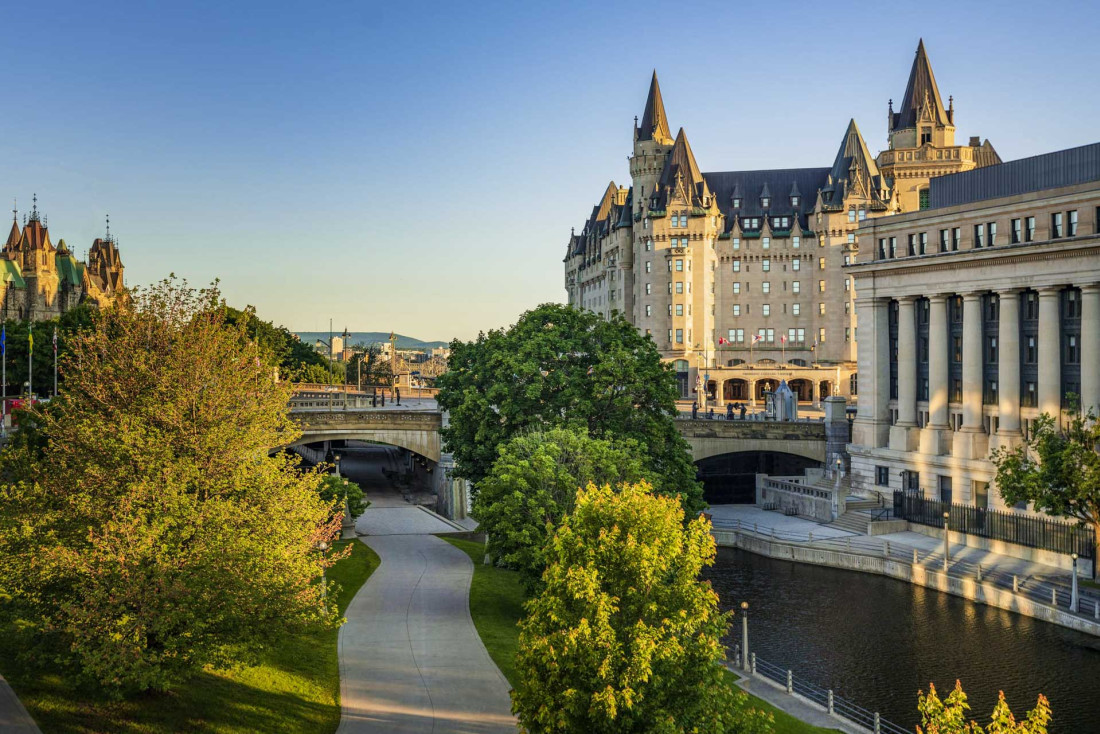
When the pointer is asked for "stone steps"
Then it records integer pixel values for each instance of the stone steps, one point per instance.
(852, 521)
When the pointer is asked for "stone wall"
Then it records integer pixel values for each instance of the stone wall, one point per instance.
(713, 437)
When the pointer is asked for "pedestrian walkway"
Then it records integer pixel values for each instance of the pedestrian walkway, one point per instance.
(1039, 582)
(14, 719)
(411, 661)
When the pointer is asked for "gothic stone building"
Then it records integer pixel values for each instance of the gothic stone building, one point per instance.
(738, 275)
(42, 281)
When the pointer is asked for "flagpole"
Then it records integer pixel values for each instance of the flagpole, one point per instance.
(55, 361)
(30, 361)
(4, 359)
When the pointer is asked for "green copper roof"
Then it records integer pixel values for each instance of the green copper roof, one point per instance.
(70, 270)
(9, 273)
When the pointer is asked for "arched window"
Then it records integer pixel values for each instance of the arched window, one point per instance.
(680, 365)
(735, 362)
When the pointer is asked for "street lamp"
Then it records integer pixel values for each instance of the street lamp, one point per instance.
(745, 636)
(946, 540)
(1073, 601)
(322, 546)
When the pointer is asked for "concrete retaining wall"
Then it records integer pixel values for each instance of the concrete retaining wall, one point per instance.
(981, 592)
(885, 527)
(1037, 555)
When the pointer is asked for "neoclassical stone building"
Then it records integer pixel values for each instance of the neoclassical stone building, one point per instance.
(976, 315)
(738, 276)
(40, 281)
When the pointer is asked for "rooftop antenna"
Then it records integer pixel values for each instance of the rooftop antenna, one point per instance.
(14, 212)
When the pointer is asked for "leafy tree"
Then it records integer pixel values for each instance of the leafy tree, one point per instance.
(17, 343)
(296, 361)
(368, 367)
(1065, 479)
(625, 638)
(559, 366)
(144, 531)
(334, 490)
(949, 716)
(533, 484)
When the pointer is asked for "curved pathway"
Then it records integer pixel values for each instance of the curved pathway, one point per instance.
(411, 660)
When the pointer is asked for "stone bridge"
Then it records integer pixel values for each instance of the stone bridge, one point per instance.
(709, 438)
(415, 430)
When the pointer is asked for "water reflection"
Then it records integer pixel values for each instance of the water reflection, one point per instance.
(877, 641)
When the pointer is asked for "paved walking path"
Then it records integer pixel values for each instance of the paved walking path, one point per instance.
(14, 719)
(411, 661)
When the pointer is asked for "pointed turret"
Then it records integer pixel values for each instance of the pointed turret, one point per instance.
(920, 90)
(654, 124)
(603, 209)
(854, 170)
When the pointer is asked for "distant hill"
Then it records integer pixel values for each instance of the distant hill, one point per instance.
(371, 337)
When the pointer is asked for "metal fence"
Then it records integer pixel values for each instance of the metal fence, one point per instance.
(833, 704)
(1032, 532)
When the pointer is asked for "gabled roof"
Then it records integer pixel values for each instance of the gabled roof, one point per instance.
(765, 192)
(681, 166)
(603, 209)
(69, 269)
(985, 155)
(10, 274)
(654, 124)
(36, 236)
(922, 85)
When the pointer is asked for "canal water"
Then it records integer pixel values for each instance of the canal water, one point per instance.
(876, 641)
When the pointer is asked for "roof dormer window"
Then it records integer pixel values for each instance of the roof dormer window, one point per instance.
(736, 203)
(765, 201)
(794, 201)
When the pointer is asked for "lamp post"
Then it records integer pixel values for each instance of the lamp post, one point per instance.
(946, 540)
(1073, 601)
(745, 635)
(322, 546)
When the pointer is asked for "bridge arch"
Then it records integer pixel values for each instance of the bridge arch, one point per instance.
(417, 431)
(730, 478)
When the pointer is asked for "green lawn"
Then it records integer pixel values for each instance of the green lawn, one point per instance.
(294, 688)
(496, 604)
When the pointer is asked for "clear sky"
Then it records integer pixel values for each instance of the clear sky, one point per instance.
(417, 166)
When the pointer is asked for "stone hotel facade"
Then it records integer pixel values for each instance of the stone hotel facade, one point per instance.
(739, 276)
(976, 315)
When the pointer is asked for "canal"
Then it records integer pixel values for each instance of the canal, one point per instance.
(877, 641)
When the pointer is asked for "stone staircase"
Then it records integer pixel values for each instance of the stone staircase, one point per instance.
(853, 521)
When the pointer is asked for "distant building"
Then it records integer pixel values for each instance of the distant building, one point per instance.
(976, 315)
(40, 281)
(736, 273)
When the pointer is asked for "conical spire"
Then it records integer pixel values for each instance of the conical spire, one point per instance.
(853, 151)
(921, 86)
(681, 166)
(654, 121)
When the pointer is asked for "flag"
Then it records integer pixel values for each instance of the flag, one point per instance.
(30, 340)
(756, 338)
(722, 340)
(55, 340)
(782, 340)
(4, 340)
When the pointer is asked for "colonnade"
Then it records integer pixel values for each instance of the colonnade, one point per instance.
(937, 438)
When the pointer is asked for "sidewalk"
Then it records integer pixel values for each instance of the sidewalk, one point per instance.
(1039, 582)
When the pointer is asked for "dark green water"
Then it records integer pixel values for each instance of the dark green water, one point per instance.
(876, 642)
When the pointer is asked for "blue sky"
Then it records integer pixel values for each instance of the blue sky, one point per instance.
(418, 166)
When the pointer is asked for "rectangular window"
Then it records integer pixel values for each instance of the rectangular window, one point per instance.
(737, 243)
(766, 243)
(648, 289)
(847, 284)
(1017, 231)
(847, 260)
(795, 309)
(679, 266)
(670, 309)
(766, 286)
(766, 265)
(821, 308)
(1071, 230)
(669, 263)
(1031, 352)
(670, 336)
(851, 215)
(862, 214)
(767, 309)
(736, 288)
(957, 349)
(991, 231)
(795, 241)
(770, 336)
(679, 286)
(649, 245)
(882, 248)
(991, 350)
(796, 264)
(912, 245)
(847, 334)
(737, 309)
(821, 335)
(737, 266)
(893, 247)
(979, 236)
(956, 237)
(945, 240)
(882, 476)
(648, 310)
(924, 243)
(679, 336)
(851, 239)
(672, 223)
(1073, 352)
(821, 263)
(1029, 229)
(649, 267)
(795, 286)
(1056, 220)
(679, 309)
(670, 287)
(820, 286)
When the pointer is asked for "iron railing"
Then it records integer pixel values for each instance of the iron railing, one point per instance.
(833, 704)
(1025, 530)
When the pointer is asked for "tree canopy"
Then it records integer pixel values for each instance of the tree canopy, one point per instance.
(296, 361)
(950, 715)
(559, 366)
(533, 484)
(624, 637)
(144, 530)
(1056, 470)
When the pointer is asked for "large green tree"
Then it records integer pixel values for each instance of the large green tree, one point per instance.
(559, 366)
(17, 344)
(296, 361)
(1056, 470)
(951, 715)
(144, 530)
(625, 637)
(533, 484)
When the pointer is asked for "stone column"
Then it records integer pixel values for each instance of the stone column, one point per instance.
(904, 435)
(971, 442)
(1090, 348)
(933, 434)
(907, 362)
(1008, 365)
(1050, 353)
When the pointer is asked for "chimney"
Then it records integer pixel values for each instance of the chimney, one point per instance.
(975, 141)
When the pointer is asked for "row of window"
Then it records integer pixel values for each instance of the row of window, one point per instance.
(1022, 229)
(765, 201)
(767, 336)
(766, 264)
(766, 242)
